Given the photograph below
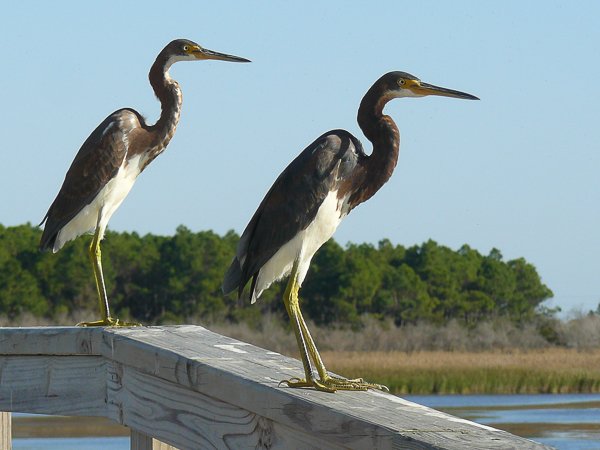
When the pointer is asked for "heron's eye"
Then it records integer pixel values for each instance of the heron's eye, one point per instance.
(401, 82)
(186, 48)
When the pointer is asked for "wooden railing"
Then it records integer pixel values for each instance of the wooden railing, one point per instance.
(190, 388)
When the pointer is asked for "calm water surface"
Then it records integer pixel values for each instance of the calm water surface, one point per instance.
(566, 422)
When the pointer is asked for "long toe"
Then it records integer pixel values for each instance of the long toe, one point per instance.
(357, 384)
(361, 386)
(314, 383)
(333, 384)
(110, 322)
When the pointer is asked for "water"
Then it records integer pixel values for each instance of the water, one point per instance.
(566, 422)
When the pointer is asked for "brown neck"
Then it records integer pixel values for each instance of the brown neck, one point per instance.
(383, 134)
(168, 93)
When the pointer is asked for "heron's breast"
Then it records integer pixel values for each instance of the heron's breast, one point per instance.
(328, 218)
(117, 189)
(304, 244)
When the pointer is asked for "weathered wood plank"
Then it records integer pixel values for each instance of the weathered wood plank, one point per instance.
(157, 445)
(141, 441)
(239, 374)
(50, 341)
(248, 377)
(192, 388)
(188, 419)
(60, 385)
(5, 431)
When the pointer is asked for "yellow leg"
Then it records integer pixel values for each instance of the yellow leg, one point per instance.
(96, 258)
(308, 350)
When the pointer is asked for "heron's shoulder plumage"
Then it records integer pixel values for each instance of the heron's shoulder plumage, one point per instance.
(292, 202)
(96, 163)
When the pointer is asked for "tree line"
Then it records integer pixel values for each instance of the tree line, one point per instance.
(170, 279)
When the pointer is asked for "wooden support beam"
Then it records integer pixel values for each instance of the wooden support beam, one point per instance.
(191, 388)
(5, 431)
(58, 385)
(141, 441)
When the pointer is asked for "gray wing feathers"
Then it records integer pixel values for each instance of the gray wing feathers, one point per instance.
(291, 204)
(95, 164)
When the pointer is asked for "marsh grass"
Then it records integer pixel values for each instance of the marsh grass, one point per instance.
(552, 370)
(491, 358)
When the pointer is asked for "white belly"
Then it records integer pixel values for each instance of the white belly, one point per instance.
(304, 245)
(100, 210)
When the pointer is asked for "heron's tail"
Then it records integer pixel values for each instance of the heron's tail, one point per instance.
(233, 277)
(49, 235)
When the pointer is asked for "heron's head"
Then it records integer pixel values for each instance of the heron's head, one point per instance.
(186, 50)
(402, 84)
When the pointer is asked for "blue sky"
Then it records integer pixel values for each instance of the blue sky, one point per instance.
(519, 170)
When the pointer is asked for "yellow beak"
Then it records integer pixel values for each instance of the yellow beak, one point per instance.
(423, 89)
(203, 53)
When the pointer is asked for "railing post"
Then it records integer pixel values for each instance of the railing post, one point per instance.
(6, 431)
(141, 441)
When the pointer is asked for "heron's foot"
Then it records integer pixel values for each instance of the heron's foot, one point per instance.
(108, 322)
(333, 384)
(296, 382)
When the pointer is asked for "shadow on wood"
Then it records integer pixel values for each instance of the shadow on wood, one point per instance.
(192, 388)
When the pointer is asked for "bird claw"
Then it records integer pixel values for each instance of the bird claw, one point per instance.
(333, 384)
(297, 382)
(108, 322)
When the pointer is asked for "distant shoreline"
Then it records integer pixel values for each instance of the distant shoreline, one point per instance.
(43, 426)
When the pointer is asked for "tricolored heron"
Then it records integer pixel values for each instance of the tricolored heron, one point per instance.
(308, 201)
(110, 160)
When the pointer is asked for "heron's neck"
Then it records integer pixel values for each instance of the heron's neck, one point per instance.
(383, 134)
(168, 93)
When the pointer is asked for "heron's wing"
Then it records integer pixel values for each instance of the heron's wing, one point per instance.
(292, 203)
(96, 163)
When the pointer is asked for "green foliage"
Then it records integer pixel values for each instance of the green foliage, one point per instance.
(174, 279)
(19, 289)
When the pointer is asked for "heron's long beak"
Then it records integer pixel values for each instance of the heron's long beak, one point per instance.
(204, 53)
(429, 89)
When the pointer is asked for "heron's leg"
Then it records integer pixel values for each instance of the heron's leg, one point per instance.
(357, 384)
(95, 255)
(96, 259)
(307, 347)
(323, 373)
(290, 299)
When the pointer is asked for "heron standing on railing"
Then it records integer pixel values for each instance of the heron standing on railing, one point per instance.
(308, 201)
(110, 160)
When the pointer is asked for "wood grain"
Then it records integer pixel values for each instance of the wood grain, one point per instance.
(141, 441)
(58, 385)
(5, 431)
(148, 404)
(247, 376)
(50, 341)
(192, 388)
